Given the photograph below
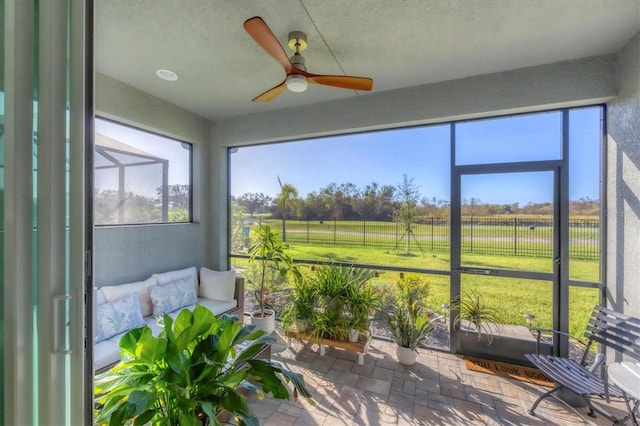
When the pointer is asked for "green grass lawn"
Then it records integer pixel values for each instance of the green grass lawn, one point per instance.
(512, 296)
(490, 238)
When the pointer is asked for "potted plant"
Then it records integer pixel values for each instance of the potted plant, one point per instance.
(473, 310)
(268, 250)
(300, 307)
(191, 373)
(342, 301)
(362, 301)
(410, 326)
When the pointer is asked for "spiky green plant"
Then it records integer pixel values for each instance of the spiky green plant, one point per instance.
(485, 318)
(409, 323)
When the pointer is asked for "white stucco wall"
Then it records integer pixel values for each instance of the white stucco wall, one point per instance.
(563, 84)
(623, 184)
(127, 253)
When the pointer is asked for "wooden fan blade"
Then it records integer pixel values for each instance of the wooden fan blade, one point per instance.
(261, 33)
(272, 93)
(342, 81)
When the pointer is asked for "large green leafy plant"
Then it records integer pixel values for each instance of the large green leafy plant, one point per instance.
(190, 373)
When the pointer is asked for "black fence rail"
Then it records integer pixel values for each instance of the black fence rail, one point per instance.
(484, 235)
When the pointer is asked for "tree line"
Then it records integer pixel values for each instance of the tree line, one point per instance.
(383, 202)
(113, 207)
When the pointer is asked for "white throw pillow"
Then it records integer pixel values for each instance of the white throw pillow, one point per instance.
(171, 276)
(172, 296)
(217, 285)
(116, 292)
(98, 296)
(117, 317)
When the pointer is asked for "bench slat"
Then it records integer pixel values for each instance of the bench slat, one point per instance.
(570, 374)
(610, 329)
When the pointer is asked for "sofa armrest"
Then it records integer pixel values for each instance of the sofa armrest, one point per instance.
(239, 292)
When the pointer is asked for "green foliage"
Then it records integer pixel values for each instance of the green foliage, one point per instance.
(133, 208)
(409, 323)
(410, 286)
(301, 303)
(190, 373)
(178, 214)
(236, 224)
(273, 282)
(269, 252)
(471, 307)
(343, 300)
(405, 208)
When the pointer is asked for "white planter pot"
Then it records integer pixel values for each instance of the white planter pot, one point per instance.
(353, 335)
(267, 324)
(406, 356)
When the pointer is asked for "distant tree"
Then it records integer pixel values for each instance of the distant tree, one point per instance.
(405, 208)
(316, 206)
(288, 193)
(340, 199)
(109, 208)
(253, 202)
(374, 202)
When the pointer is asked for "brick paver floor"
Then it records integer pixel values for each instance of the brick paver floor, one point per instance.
(437, 390)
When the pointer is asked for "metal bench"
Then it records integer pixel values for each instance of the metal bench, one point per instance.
(612, 330)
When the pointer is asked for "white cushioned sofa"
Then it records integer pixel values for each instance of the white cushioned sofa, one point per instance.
(123, 307)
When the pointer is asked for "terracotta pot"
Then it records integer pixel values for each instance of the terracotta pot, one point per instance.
(266, 323)
(406, 356)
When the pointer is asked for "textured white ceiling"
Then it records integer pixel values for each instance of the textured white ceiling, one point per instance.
(399, 43)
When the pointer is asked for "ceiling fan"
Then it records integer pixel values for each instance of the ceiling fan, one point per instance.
(297, 77)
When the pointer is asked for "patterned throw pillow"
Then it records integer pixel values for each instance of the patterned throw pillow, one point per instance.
(117, 317)
(172, 296)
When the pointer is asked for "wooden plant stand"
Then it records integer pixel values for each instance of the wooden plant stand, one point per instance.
(360, 347)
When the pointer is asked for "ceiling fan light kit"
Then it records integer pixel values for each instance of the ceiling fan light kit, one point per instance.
(296, 82)
(297, 78)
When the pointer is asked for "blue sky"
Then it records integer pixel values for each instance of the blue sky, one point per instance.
(422, 153)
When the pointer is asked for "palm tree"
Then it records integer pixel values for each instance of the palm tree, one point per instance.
(288, 192)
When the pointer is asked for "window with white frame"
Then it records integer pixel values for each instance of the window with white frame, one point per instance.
(139, 176)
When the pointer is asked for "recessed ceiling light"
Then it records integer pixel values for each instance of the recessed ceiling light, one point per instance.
(167, 75)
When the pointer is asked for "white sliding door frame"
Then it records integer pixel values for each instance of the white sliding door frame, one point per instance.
(47, 286)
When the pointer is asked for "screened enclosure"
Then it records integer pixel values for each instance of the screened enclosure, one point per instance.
(140, 177)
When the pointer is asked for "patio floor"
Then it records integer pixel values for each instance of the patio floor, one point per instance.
(438, 389)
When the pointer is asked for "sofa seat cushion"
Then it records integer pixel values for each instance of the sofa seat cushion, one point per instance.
(217, 306)
(105, 353)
